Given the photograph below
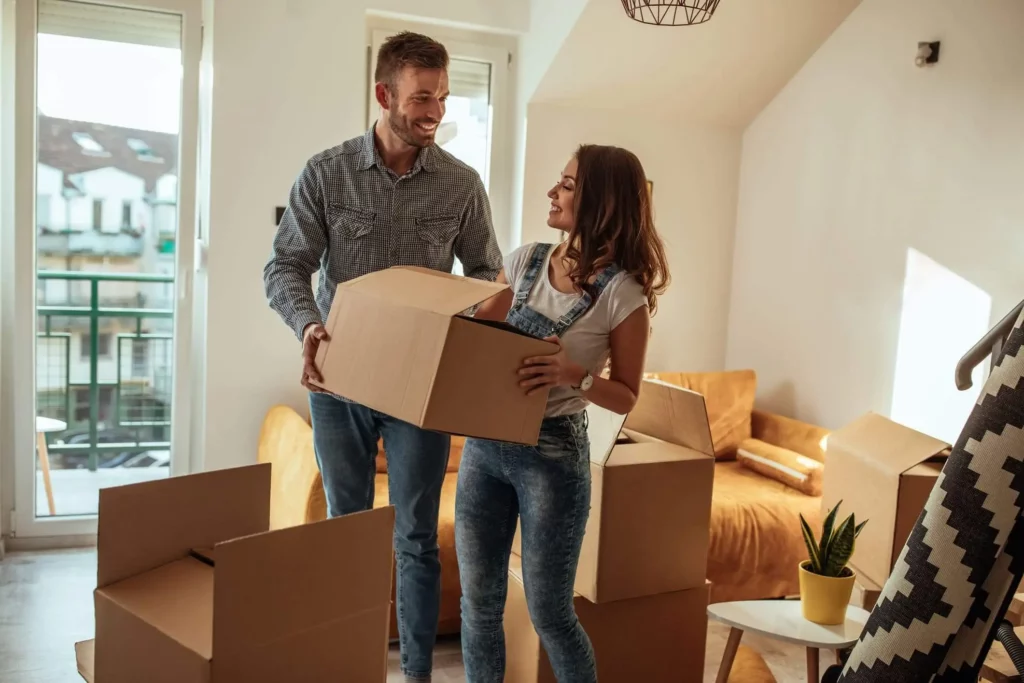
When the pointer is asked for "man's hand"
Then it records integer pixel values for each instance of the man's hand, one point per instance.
(311, 338)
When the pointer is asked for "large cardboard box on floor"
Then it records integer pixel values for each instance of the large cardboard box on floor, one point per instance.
(650, 503)
(399, 344)
(653, 638)
(193, 588)
(883, 472)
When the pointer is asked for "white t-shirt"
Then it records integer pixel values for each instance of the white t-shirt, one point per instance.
(587, 340)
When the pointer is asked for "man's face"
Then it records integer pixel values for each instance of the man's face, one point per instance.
(416, 104)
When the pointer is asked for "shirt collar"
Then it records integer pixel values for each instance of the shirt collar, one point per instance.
(369, 157)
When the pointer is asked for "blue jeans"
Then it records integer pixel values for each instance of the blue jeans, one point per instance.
(548, 489)
(345, 440)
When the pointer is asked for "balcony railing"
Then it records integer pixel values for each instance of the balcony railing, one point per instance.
(104, 370)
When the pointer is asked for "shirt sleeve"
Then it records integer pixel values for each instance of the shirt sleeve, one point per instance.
(628, 296)
(515, 265)
(476, 247)
(299, 244)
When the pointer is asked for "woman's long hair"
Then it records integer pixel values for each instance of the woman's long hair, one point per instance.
(614, 222)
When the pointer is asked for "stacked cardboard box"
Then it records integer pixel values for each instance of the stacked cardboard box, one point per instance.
(193, 588)
(641, 590)
(882, 472)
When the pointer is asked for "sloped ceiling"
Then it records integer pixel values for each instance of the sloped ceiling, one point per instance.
(723, 72)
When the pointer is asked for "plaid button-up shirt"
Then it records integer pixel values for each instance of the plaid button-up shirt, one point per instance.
(348, 215)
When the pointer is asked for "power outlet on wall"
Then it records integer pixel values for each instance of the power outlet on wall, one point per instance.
(927, 53)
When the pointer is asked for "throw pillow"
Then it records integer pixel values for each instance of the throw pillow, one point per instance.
(783, 465)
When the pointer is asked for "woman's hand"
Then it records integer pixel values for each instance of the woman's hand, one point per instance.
(543, 372)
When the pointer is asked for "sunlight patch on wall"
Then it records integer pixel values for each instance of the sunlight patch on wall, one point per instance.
(943, 316)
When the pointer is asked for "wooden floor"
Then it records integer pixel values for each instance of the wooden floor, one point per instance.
(46, 606)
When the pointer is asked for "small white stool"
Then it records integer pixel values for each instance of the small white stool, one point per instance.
(43, 426)
(783, 620)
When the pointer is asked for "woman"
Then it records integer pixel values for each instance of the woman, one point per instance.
(593, 294)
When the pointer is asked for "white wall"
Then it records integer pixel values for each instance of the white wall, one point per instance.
(862, 156)
(290, 81)
(696, 173)
(7, 140)
(550, 24)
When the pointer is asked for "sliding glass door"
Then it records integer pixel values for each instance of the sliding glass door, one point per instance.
(104, 253)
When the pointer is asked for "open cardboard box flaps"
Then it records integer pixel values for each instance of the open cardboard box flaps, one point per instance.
(883, 472)
(650, 497)
(399, 344)
(192, 587)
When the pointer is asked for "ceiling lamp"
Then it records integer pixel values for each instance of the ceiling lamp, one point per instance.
(670, 12)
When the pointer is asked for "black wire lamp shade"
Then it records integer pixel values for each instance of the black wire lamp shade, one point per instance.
(670, 12)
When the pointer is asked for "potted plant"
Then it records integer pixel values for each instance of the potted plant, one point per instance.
(826, 583)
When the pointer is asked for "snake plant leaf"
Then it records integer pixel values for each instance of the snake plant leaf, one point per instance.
(812, 546)
(841, 548)
(856, 531)
(824, 547)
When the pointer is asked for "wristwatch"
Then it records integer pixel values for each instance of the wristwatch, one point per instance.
(586, 382)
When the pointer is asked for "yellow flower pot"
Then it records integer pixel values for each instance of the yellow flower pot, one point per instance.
(824, 599)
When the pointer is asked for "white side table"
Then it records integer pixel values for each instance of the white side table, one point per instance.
(44, 425)
(783, 620)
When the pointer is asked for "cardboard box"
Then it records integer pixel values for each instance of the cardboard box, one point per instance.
(650, 509)
(399, 345)
(654, 638)
(883, 472)
(192, 588)
(865, 591)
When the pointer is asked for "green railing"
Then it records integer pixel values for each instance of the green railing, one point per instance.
(140, 405)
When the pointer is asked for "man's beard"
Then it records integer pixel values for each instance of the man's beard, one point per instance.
(403, 128)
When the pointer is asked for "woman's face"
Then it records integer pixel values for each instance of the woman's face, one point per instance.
(562, 195)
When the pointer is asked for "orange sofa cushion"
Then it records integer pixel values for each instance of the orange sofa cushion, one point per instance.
(756, 544)
(730, 401)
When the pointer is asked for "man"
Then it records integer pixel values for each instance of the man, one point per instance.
(390, 197)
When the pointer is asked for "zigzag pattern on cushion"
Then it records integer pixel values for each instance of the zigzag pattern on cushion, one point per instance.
(935, 616)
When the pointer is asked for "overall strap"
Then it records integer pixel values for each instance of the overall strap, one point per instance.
(537, 260)
(587, 300)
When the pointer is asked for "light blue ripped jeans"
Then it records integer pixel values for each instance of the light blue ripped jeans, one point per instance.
(548, 489)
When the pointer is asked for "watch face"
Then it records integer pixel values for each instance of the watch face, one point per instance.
(587, 382)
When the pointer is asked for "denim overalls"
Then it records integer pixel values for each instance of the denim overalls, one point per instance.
(547, 487)
(524, 318)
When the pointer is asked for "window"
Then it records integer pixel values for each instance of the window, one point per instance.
(140, 357)
(102, 345)
(143, 151)
(89, 145)
(97, 214)
(126, 213)
(466, 131)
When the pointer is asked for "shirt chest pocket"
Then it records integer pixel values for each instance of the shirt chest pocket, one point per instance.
(348, 223)
(438, 231)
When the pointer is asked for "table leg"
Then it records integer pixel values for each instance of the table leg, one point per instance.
(731, 646)
(44, 465)
(812, 665)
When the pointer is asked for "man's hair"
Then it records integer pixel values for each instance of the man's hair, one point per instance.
(408, 49)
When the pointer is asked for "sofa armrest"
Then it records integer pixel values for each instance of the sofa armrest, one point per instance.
(286, 441)
(785, 432)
